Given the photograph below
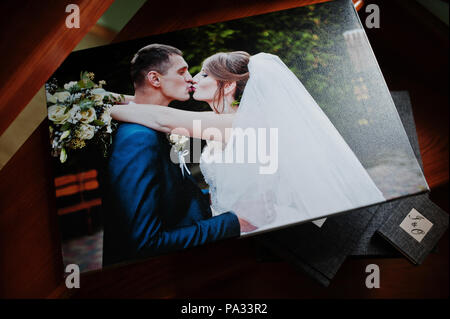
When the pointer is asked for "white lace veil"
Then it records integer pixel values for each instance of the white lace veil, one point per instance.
(318, 174)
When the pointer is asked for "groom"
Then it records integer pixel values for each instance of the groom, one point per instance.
(150, 208)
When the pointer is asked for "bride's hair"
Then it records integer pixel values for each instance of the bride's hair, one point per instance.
(225, 68)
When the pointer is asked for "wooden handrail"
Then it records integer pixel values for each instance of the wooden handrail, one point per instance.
(72, 178)
(34, 45)
(77, 184)
(80, 206)
(77, 188)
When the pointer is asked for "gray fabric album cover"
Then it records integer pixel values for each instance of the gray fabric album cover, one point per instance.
(370, 244)
(344, 149)
(319, 252)
(415, 227)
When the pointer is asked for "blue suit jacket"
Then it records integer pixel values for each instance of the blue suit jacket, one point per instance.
(150, 208)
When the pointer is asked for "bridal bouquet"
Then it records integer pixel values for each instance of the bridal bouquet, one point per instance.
(79, 115)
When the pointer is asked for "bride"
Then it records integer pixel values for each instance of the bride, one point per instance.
(317, 173)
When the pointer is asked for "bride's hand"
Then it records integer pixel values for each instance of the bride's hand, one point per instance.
(246, 226)
(259, 209)
(115, 111)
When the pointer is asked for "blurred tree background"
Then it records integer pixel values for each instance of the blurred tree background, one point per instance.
(308, 39)
(323, 44)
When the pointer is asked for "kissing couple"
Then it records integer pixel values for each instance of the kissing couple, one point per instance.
(153, 208)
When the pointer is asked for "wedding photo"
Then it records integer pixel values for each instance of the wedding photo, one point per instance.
(222, 131)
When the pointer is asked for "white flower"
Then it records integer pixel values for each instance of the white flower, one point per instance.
(106, 117)
(98, 93)
(75, 114)
(174, 138)
(62, 96)
(183, 140)
(51, 98)
(178, 142)
(69, 85)
(64, 135)
(85, 132)
(57, 114)
(63, 155)
(87, 116)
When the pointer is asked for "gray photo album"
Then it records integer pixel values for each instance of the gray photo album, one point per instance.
(279, 126)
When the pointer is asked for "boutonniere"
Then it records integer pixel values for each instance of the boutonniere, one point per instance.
(180, 145)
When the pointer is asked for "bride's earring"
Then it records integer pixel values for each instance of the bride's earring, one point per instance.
(228, 107)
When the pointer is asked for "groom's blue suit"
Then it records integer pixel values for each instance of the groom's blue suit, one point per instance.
(150, 208)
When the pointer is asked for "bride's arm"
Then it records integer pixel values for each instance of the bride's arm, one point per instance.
(170, 120)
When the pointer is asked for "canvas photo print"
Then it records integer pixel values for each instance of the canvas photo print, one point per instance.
(221, 131)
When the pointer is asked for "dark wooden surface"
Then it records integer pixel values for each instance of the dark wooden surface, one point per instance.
(30, 249)
(34, 42)
(413, 56)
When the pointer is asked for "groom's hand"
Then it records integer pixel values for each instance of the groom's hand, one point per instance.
(246, 226)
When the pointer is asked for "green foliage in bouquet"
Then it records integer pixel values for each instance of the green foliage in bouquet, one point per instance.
(79, 114)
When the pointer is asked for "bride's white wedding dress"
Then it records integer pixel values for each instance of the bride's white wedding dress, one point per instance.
(318, 174)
